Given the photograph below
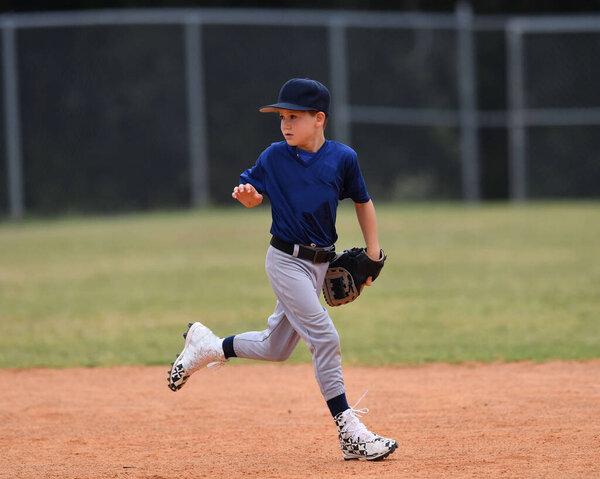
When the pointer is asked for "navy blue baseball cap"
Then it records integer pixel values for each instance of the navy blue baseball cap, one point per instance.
(301, 94)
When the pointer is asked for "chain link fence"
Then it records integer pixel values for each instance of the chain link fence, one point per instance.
(144, 109)
(5, 184)
(554, 128)
(563, 160)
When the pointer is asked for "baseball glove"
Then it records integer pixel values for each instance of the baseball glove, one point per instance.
(347, 274)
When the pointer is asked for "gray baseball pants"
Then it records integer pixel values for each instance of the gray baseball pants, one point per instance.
(298, 314)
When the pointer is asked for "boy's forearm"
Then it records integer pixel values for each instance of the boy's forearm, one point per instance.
(365, 212)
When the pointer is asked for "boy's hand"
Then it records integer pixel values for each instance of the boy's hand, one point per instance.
(348, 273)
(247, 195)
(374, 257)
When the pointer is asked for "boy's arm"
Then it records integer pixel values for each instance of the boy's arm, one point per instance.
(247, 195)
(365, 212)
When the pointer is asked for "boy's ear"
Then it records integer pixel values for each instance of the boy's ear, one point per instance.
(321, 117)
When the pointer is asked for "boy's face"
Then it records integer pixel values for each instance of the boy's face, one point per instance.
(301, 128)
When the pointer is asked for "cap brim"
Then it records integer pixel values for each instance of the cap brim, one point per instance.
(283, 106)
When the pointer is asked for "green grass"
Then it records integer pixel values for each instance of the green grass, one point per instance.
(497, 282)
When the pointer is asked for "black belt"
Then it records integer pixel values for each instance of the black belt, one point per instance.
(309, 253)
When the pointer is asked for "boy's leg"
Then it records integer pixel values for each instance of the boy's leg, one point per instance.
(275, 343)
(202, 347)
(298, 314)
(297, 285)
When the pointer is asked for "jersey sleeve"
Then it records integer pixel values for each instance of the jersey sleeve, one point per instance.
(354, 184)
(255, 175)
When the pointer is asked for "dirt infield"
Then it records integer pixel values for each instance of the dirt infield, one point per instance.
(269, 421)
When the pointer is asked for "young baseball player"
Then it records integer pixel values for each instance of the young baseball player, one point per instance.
(304, 177)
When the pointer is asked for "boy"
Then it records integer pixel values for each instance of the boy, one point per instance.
(304, 176)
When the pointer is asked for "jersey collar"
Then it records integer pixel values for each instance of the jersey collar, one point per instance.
(294, 154)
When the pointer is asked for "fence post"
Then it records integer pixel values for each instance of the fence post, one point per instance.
(338, 71)
(517, 142)
(12, 127)
(198, 138)
(469, 145)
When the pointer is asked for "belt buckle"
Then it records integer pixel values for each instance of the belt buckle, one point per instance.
(317, 256)
(322, 256)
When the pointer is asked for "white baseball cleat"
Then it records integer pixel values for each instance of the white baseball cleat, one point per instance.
(202, 348)
(357, 442)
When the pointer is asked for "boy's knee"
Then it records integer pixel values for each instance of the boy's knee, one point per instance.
(277, 356)
(283, 355)
(277, 352)
(333, 338)
(328, 343)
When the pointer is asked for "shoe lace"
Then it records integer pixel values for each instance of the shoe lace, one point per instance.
(354, 428)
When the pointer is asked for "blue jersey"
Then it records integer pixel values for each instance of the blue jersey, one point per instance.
(305, 192)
